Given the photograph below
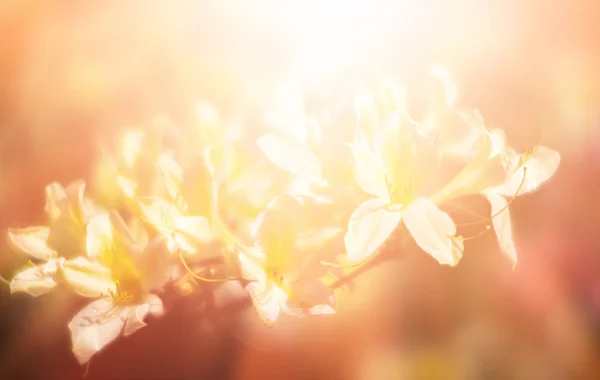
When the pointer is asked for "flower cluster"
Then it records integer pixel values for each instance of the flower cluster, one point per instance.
(289, 212)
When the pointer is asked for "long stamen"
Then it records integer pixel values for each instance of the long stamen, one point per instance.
(486, 220)
(342, 265)
(194, 274)
(87, 369)
(2, 279)
(487, 228)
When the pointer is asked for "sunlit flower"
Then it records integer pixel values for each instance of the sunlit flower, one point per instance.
(274, 265)
(122, 275)
(298, 156)
(183, 231)
(497, 171)
(526, 173)
(63, 239)
(394, 168)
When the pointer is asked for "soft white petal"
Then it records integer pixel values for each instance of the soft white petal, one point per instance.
(98, 236)
(171, 173)
(32, 240)
(304, 186)
(33, 281)
(135, 318)
(55, 193)
(290, 156)
(432, 230)
(95, 326)
(540, 167)
(159, 213)
(267, 301)
(369, 172)
(137, 314)
(192, 230)
(252, 268)
(503, 226)
(155, 305)
(322, 310)
(153, 264)
(87, 278)
(369, 227)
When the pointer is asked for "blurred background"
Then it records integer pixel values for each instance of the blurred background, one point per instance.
(73, 72)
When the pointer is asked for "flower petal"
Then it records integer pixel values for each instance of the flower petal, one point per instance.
(87, 278)
(153, 263)
(289, 156)
(55, 194)
(32, 240)
(369, 172)
(432, 230)
(540, 167)
(267, 301)
(191, 231)
(155, 305)
(159, 213)
(99, 236)
(171, 175)
(503, 226)
(33, 281)
(135, 318)
(369, 227)
(94, 327)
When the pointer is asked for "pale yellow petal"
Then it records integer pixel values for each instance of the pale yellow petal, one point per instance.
(155, 305)
(369, 227)
(540, 167)
(33, 281)
(159, 213)
(432, 229)
(131, 147)
(94, 327)
(322, 310)
(290, 156)
(191, 231)
(369, 173)
(99, 237)
(55, 193)
(252, 268)
(87, 278)
(171, 175)
(32, 240)
(267, 301)
(153, 263)
(136, 314)
(503, 226)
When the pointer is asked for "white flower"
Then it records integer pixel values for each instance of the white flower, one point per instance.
(123, 275)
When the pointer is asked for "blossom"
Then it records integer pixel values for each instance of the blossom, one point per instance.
(274, 265)
(394, 168)
(183, 232)
(122, 275)
(51, 245)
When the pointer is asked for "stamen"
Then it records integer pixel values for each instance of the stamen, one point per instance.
(2, 279)
(87, 369)
(487, 228)
(503, 208)
(342, 265)
(193, 274)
